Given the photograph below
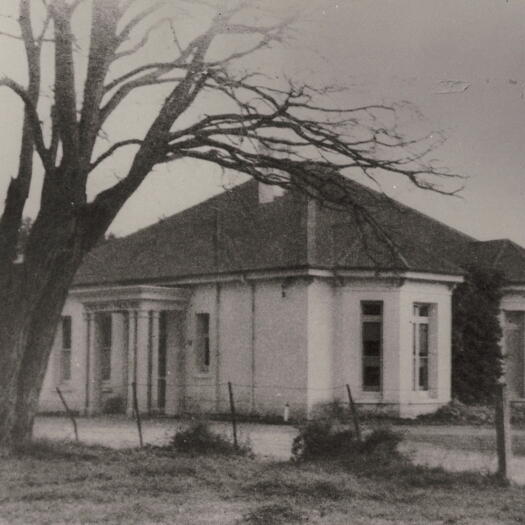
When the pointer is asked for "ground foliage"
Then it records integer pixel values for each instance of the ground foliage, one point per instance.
(476, 334)
(324, 438)
(62, 482)
(198, 438)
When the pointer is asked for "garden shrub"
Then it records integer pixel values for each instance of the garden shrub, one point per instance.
(322, 439)
(335, 411)
(198, 438)
(114, 405)
(382, 441)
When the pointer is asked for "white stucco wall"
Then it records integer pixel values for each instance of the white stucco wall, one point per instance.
(201, 388)
(348, 369)
(279, 341)
(439, 296)
(281, 364)
(398, 297)
(321, 321)
(264, 359)
(73, 390)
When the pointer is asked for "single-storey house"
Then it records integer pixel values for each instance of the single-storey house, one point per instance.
(286, 298)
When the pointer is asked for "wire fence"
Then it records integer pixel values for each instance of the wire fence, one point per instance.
(427, 441)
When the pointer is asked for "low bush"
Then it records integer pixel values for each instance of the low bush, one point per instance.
(382, 441)
(198, 438)
(320, 439)
(114, 405)
(335, 411)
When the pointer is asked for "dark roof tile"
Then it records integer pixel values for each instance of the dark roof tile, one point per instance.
(233, 232)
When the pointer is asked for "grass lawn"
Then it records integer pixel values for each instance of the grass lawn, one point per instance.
(68, 483)
(470, 440)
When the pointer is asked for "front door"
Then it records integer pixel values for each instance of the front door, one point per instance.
(513, 336)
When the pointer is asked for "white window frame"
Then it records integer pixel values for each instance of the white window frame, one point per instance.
(66, 344)
(106, 350)
(366, 318)
(202, 343)
(417, 357)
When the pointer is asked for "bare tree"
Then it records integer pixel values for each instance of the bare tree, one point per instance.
(279, 134)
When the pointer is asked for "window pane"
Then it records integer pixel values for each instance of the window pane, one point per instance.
(203, 342)
(423, 373)
(105, 330)
(372, 308)
(105, 363)
(206, 352)
(421, 310)
(371, 345)
(423, 339)
(371, 331)
(66, 331)
(371, 339)
(66, 365)
(371, 374)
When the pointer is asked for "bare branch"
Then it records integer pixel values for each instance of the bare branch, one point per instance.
(137, 19)
(32, 113)
(65, 92)
(109, 152)
(102, 48)
(142, 42)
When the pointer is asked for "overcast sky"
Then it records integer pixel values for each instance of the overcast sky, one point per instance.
(461, 62)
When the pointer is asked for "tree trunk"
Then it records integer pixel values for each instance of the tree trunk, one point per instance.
(31, 302)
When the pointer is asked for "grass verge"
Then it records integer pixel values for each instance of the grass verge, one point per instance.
(69, 483)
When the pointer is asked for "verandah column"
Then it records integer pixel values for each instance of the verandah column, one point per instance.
(154, 362)
(93, 383)
(142, 357)
(132, 361)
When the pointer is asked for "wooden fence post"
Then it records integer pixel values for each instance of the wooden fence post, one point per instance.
(234, 421)
(503, 433)
(137, 413)
(353, 412)
(69, 413)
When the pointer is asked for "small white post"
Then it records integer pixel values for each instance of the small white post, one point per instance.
(286, 414)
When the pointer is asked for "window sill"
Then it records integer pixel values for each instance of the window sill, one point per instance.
(368, 396)
(420, 395)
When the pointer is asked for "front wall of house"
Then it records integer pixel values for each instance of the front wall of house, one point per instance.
(295, 342)
(439, 298)
(348, 330)
(280, 345)
(258, 345)
(321, 319)
(71, 389)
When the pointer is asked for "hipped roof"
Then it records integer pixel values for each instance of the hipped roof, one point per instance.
(234, 233)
